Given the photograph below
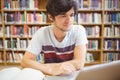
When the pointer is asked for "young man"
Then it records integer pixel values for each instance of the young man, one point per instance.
(62, 44)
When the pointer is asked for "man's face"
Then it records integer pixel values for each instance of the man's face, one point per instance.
(65, 20)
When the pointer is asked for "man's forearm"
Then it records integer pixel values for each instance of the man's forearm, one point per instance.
(77, 64)
(49, 69)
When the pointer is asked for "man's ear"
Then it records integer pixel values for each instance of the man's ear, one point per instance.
(50, 17)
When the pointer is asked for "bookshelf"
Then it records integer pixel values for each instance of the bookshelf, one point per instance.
(111, 47)
(20, 20)
(101, 18)
(90, 15)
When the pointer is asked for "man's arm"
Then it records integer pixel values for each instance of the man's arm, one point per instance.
(79, 57)
(29, 60)
(78, 61)
(67, 67)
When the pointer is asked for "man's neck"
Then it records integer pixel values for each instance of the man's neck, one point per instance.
(59, 35)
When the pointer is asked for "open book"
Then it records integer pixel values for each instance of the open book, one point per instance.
(15, 73)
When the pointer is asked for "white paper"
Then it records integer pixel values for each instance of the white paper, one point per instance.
(18, 74)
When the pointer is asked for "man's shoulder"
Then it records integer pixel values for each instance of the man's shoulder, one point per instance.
(44, 29)
(77, 27)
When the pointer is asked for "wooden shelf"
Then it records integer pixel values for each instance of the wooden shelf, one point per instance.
(97, 54)
(13, 63)
(92, 63)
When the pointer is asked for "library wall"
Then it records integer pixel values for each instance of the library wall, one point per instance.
(20, 19)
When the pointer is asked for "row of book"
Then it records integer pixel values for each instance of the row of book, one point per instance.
(28, 31)
(98, 4)
(21, 4)
(89, 18)
(14, 57)
(96, 17)
(108, 45)
(108, 57)
(111, 44)
(1, 44)
(112, 4)
(20, 17)
(110, 31)
(0, 18)
(89, 58)
(83, 4)
(1, 31)
(35, 17)
(20, 31)
(89, 4)
(93, 31)
(112, 17)
(92, 45)
(17, 17)
(17, 56)
(1, 56)
(16, 44)
(20, 44)
(14, 30)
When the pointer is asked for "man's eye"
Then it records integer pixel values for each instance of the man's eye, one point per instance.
(63, 16)
(72, 15)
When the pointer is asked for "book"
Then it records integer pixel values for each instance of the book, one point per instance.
(15, 73)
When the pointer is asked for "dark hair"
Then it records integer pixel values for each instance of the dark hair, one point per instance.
(56, 7)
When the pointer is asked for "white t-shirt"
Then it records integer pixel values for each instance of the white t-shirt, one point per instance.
(44, 41)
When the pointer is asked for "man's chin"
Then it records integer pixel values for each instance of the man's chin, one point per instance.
(65, 30)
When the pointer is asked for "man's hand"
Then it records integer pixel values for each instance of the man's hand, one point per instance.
(68, 68)
(60, 69)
